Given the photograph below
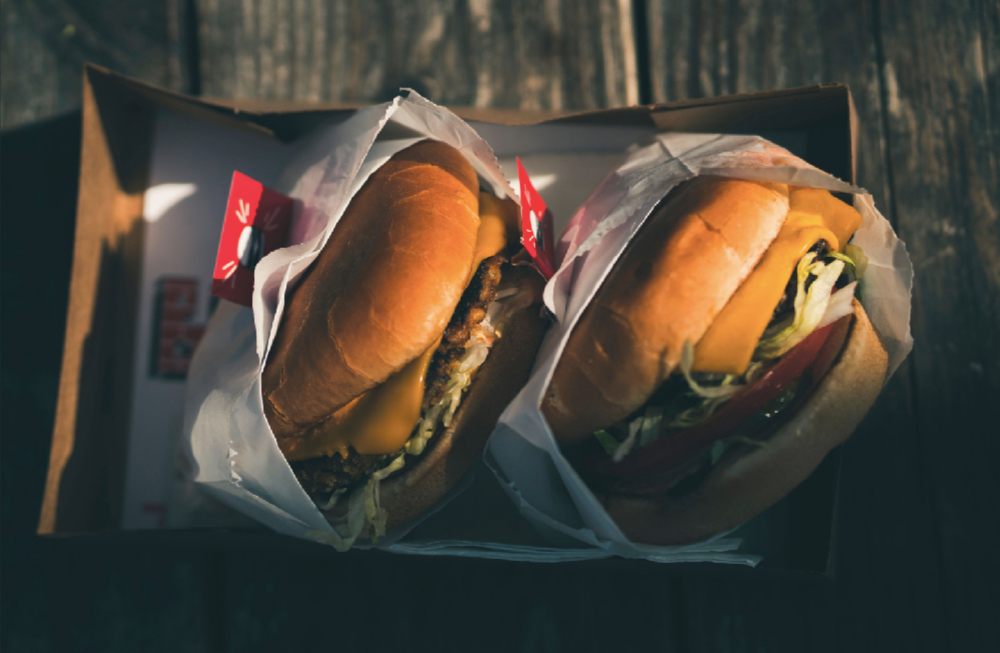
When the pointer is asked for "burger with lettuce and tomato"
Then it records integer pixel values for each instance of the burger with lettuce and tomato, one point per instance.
(723, 357)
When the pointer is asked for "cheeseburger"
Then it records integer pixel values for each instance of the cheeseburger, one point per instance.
(724, 355)
(402, 343)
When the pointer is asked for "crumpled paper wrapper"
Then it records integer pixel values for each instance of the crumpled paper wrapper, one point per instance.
(522, 451)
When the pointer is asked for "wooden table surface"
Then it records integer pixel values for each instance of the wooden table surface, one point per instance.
(919, 522)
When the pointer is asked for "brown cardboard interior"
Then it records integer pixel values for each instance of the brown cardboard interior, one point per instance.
(86, 440)
(83, 488)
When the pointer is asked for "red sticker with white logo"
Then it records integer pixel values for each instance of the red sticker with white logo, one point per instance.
(536, 225)
(256, 223)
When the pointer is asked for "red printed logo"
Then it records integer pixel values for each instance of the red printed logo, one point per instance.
(174, 334)
(256, 223)
(157, 509)
(536, 225)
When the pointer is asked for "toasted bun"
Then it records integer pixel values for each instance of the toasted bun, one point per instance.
(671, 282)
(743, 484)
(351, 322)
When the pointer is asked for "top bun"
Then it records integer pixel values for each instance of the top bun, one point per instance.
(668, 286)
(381, 291)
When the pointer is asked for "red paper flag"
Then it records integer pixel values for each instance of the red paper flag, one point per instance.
(256, 223)
(536, 225)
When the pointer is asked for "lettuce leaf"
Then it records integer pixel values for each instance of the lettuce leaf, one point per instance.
(607, 441)
(726, 389)
(841, 304)
(626, 445)
(810, 306)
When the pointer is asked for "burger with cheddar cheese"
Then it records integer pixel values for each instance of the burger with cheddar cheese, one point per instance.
(722, 358)
(402, 343)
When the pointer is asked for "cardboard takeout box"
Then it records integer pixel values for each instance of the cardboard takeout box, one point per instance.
(142, 267)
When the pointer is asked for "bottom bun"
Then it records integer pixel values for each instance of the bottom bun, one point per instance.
(743, 484)
(452, 452)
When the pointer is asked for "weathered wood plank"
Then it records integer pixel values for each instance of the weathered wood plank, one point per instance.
(941, 84)
(92, 595)
(44, 44)
(549, 55)
(915, 572)
(375, 601)
(888, 592)
(775, 613)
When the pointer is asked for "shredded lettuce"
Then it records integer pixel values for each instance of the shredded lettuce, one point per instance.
(712, 396)
(626, 445)
(642, 430)
(607, 441)
(343, 536)
(649, 428)
(441, 413)
(810, 306)
(840, 256)
(375, 514)
(428, 424)
(697, 413)
(755, 370)
(727, 388)
(334, 498)
(841, 304)
(477, 349)
(364, 507)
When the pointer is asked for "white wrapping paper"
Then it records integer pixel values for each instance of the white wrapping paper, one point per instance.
(522, 451)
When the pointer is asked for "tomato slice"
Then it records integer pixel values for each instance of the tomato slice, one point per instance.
(662, 461)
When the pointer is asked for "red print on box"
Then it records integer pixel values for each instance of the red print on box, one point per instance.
(174, 334)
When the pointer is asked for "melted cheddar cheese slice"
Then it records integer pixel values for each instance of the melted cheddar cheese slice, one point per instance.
(495, 217)
(728, 345)
(377, 422)
(841, 218)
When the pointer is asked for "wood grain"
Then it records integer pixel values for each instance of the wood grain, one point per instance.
(44, 44)
(93, 595)
(404, 603)
(889, 590)
(551, 55)
(916, 569)
(941, 86)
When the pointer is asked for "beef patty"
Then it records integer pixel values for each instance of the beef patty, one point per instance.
(322, 476)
